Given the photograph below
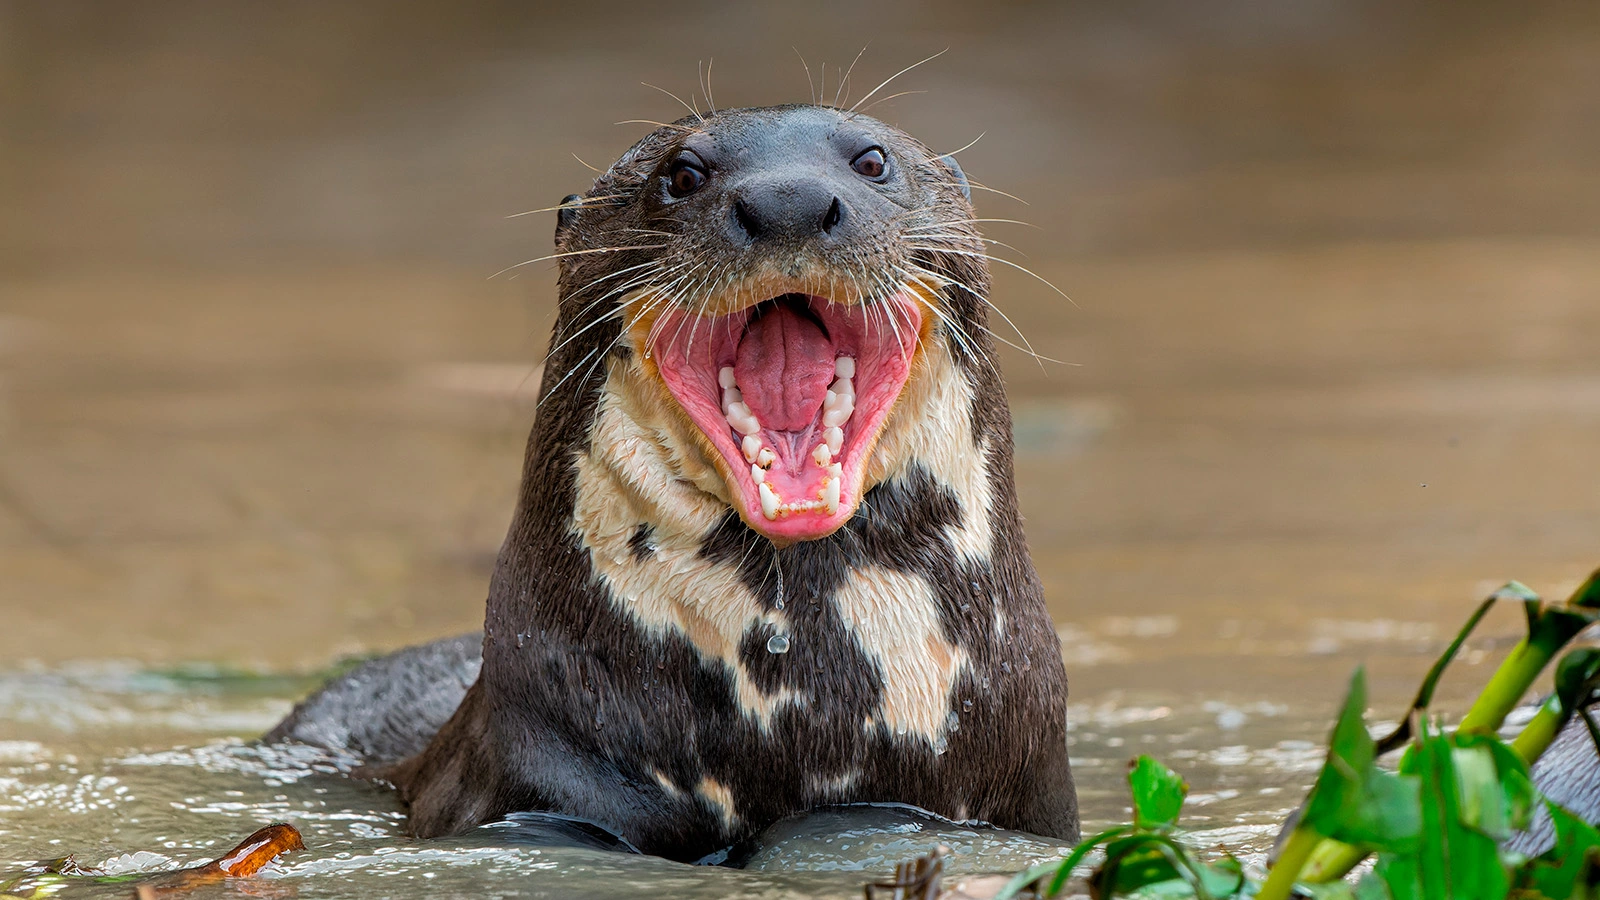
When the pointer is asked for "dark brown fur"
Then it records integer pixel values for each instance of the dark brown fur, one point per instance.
(581, 711)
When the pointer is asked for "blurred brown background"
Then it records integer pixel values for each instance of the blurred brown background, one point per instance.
(1333, 356)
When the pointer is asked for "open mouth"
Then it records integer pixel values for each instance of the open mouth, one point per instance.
(791, 393)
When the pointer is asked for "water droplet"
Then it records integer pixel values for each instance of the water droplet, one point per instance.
(985, 683)
(966, 706)
(952, 722)
(966, 607)
(940, 745)
(975, 586)
(1006, 667)
(778, 643)
(520, 637)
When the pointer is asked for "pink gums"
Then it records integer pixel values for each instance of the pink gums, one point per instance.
(784, 362)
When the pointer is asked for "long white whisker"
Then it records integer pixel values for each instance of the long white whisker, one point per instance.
(897, 75)
(529, 262)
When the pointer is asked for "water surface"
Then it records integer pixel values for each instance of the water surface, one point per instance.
(1327, 374)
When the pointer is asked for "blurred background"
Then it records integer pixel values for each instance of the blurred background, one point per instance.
(1330, 365)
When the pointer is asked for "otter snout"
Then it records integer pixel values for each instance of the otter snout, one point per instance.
(791, 210)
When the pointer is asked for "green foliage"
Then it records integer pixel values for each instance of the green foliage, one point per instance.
(1436, 823)
(1353, 800)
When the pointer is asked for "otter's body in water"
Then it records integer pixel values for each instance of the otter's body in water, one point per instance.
(767, 554)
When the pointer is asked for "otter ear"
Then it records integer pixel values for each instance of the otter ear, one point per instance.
(567, 212)
(961, 177)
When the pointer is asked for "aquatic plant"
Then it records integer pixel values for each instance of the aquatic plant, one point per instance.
(1436, 825)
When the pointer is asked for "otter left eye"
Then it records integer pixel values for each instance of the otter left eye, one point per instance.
(870, 164)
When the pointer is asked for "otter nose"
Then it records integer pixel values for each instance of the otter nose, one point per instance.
(791, 209)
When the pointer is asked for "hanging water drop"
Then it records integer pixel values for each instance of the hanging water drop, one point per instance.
(966, 706)
(952, 722)
(778, 644)
(778, 603)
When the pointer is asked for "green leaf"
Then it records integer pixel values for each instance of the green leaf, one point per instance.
(1063, 869)
(1158, 794)
(1132, 863)
(1493, 786)
(1424, 698)
(1588, 593)
(1158, 865)
(1455, 857)
(1353, 800)
(1568, 866)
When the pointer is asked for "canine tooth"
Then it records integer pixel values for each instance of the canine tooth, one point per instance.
(845, 367)
(830, 495)
(757, 473)
(752, 448)
(834, 437)
(822, 454)
(769, 501)
(726, 379)
(765, 458)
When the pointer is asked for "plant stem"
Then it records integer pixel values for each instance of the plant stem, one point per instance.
(1540, 731)
(1286, 871)
(1331, 861)
(1508, 685)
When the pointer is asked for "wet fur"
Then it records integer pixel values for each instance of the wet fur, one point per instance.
(626, 677)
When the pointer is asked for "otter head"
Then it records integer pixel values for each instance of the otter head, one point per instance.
(779, 273)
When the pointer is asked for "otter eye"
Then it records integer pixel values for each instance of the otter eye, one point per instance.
(685, 176)
(870, 164)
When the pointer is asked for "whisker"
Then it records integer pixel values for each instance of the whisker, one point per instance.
(529, 262)
(897, 75)
(977, 221)
(570, 372)
(1028, 345)
(845, 81)
(985, 187)
(1004, 262)
(705, 85)
(683, 128)
(963, 149)
(576, 204)
(888, 98)
(811, 89)
(692, 111)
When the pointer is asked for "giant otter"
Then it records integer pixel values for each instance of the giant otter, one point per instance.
(767, 554)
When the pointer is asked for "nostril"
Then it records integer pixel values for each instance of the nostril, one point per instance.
(746, 221)
(834, 216)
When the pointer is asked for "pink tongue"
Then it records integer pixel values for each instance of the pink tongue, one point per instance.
(784, 366)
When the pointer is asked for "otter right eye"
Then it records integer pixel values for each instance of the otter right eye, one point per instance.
(685, 177)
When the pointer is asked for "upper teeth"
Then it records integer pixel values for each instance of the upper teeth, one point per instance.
(837, 406)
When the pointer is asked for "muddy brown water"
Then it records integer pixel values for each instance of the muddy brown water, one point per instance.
(1328, 374)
